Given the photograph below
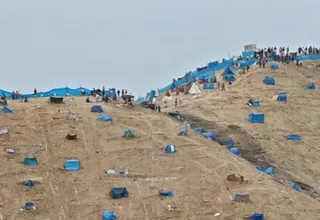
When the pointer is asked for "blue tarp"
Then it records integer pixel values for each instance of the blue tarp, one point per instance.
(269, 80)
(268, 170)
(309, 57)
(30, 161)
(5, 109)
(310, 86)
(72, 165)
(183, 132)
(230, 70)
(119, 192)
(198, 130)
(229, 77)
(296, 187)
(229, 143)
(52, 92)
(102, 117)
(254, 102)
(282, 98)
(210, 134)
(235, 151)
(28, 205)
(170, 149)
(274, 66)
(176, 115)
(245, 63)
(151, 95)
(28, 183)
(256, 216)
(295, 137)
(248, 53)
(96, 108)
(208, 86)
(256, 117)
(165, 193)
(128, 133)
(108, 215)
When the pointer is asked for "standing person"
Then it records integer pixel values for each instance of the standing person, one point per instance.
(229, 84)
(176, 103)
(122, 92)
(125, 92)
(103, 91)
(13, 95)
(35, 91)
(118, 92)
(223, 87)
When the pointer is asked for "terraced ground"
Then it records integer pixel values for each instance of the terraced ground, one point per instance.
(196, 173)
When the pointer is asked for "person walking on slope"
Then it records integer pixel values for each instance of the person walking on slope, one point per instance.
(118, 92)
(223, 87)
(176, 103)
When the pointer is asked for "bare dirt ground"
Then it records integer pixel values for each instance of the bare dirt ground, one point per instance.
(196, 173)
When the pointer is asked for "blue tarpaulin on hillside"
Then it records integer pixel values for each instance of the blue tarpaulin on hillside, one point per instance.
(294, 137)
(256, 117)
(309, 57)
(310, 86)
(248, 53)
(210, 134)
(96, 108)
(269, 80)
(57, 92)
(119, 192)
(108, 215)
(72, 165)
(253, 102)
(256, 216)
(282, 98)
(5, 109)
(230, 70)
(28, 183)
(229, 143)
(229, 77)
(165, 193)
(102, 117)
(208, 86)
(274, 66)
(268, 170)
(30, 161)
(235, 151)
(199, 130)
(296, 187)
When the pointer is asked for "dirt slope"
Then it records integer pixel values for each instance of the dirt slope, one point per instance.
(196, 173)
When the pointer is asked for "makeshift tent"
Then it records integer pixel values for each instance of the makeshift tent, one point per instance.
(253, 102)
(296, 187)
(310, 86)
(170, 149)
(210, 134)
(241, 198)
(5, 109)
(256, 216)
(72, 115)
(102, 117)
(256, 117)
(208, 86)
(72, 165)
(30, 161)
(28, 183)
(295, 137)
(96, 108)
(269, 80)
(128, 134)
(56, 100)
(183, 132)
(268, 170)
(119, 192)
(229, 143)
(229, 77)
(108, 215)
(176, 115)
(282, 97)
(29, 206)
(3, 131)
(165, 193)
(235, 151)
(194, 89)
(274, 66)
(199, 130)
(230, 70)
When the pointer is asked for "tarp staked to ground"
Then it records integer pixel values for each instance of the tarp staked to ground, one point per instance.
(269, 80)
(256, 117)
(72, 165)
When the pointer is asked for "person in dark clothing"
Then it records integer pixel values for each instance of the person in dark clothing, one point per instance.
(13, 95)
(248, 68)
(159, 108)
(103, 91)
(35, 91)
(122, 92)
(87, 100)
(118, 92)
(125, 92)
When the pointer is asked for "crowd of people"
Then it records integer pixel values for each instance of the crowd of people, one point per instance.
(110, 94)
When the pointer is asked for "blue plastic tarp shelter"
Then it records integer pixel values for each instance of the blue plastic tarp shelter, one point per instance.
(165, 193)
(256, 117)
(296, 187)
(28, 183)
(170, 149)
(5, 109)
(295, 137)
(256, 216)
(96, 108)
(269, 80)
(230, 70)
(229, 143)
(208, 86)
(72, 165)
(274, 66)
(210, 134)
(128, 133)
(199, 130)
(235, 151)
(268, 170)
(102, 117)
(183, 132)
(282, 98)
(28, 205)
(30, 161)
(176, 115)
(108, 215)
(229, 77)
(310, 86)
(253, 102)
(119, 192)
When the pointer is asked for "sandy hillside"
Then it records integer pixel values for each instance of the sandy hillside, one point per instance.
(196, 174)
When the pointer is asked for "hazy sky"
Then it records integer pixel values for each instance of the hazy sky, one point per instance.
(138, 45)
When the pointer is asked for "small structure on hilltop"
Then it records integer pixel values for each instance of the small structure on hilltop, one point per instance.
(56, 100)
(269, 80)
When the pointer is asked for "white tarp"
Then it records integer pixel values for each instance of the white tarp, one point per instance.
(3, 131)
(194, 89)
